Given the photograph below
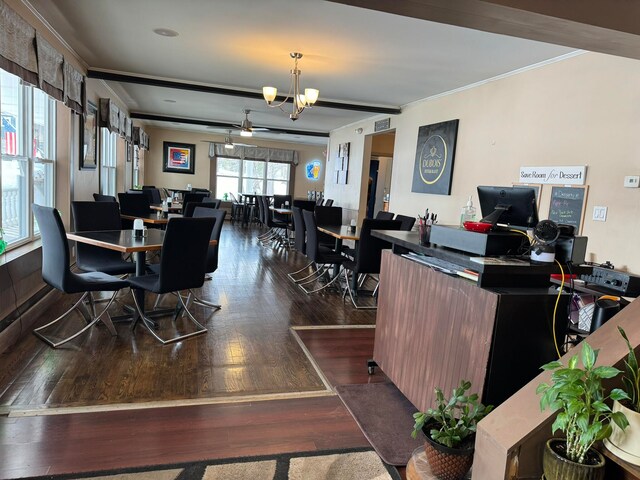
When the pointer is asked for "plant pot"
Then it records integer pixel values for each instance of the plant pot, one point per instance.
(557, 467)
(448, 463)
(625, 444)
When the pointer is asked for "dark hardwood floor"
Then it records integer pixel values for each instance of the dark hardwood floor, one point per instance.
(249, 350)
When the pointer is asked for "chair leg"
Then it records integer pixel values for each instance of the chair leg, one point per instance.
(108, 323)
(353, 299)
(319, 272)
(326, 285)
(290, 275)
(199, 301)
(147, 323)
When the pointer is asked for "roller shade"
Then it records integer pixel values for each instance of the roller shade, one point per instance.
(256, 153)
(140, 138)
(50, 69)
(109, 115)
(17, 45)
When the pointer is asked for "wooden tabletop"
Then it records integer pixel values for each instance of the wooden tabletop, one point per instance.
(175, 207)
(343, 232)
(153, 218)
(284, 211)
(123, 240)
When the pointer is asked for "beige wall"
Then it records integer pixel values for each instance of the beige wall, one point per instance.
(155, 176)
(584, 110)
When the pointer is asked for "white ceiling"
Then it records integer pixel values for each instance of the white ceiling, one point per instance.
(351, 55)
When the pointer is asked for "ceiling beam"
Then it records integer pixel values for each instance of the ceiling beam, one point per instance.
(207, 123)
(196, 87)
(610, 26)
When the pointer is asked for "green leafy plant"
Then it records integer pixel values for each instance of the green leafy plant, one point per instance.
(631, 377)
(453, 420)
(578, 395)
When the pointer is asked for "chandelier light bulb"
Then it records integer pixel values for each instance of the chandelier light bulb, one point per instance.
(311, 94)
(269, 94)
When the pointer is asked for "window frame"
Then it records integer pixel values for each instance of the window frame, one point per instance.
(241, 177)
(25, 122)
(108, 162)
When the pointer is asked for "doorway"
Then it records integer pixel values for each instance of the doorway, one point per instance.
(380, 169)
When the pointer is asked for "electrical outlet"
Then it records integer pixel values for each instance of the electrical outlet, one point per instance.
(600, 214)
(632, 181)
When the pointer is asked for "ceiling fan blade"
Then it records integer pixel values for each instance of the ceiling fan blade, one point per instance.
(259, 129)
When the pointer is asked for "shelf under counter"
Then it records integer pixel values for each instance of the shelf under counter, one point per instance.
(530, 275)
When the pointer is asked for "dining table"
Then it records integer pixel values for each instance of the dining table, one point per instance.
(175, 207)
(340, 233)
(156, 218)
(126, 241)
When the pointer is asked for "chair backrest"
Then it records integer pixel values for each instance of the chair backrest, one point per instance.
(194, 197)
(215, 201)
(328, 215)
(312, 234)
(145, 187)
(134, 204)
(407, 222)
(190, 207)
(218, 215)
(328, 202)
(184, 253)
(305, 204)
(152, 193)
(267, 214)
(298, 225)
(201, 190)
(55, 248)
(93, 217)
(98, 197)
(233, 198)
(369, 248)
(382, 215)
(280, 200)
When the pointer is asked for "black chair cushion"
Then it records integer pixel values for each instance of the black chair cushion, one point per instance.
(382, 215)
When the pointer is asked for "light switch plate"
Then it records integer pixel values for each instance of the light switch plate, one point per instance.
(632, 181)
(600, 214)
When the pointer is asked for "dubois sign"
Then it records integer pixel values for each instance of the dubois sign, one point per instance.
(435, 153)
(572, 175)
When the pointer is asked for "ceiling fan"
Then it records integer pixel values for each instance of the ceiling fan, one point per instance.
(229, 144)
(246, 127)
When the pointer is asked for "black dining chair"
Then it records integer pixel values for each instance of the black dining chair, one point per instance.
(98, 197)
(153, 194)
(328, 202)
(382, 215)
(237, 209)
(93, 217)
(320, 257)
(189, 208)
(195, 197)
(182, 267)
(134, 204)
(216, 202)
(300, 242)
(367, 258)
(331, 216)
(407, 222)
(56, 272)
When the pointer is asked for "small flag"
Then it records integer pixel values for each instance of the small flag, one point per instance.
(9, 137)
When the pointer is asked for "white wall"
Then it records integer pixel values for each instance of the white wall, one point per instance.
(584, 110)
(155, 176)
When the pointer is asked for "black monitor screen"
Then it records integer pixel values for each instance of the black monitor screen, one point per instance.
(515, 206)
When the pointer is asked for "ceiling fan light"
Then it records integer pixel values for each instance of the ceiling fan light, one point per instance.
(228, 146)
(269, 94)
(246, 133)
(311, 95)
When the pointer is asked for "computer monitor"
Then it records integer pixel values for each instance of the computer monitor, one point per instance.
(513, 206)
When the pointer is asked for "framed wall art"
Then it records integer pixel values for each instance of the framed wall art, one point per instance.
(88, 138)
(179, 157)
(435, 153)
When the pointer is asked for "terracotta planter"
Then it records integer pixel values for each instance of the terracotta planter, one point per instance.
(557, 467)
(448, 463)
(625, 444)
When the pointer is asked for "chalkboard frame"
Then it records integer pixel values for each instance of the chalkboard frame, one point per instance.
(536, 186)
(585, 188)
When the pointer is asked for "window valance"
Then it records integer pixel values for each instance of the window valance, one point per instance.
(25, 53)
(140, 138)
(109, 115)
(255, 153)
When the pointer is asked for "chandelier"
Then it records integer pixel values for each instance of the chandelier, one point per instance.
(300, 101)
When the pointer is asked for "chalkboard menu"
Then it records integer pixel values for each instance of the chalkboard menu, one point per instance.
(567, 205)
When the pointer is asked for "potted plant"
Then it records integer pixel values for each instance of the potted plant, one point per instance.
(584, 417)
(450, 430)
(625, 444)
(3, 244)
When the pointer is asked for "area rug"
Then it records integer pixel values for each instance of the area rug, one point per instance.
(348, 464)
(385, 416)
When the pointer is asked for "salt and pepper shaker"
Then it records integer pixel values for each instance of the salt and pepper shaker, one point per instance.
(353, 225)
(138, 227)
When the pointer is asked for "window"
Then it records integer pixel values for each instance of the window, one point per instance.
(136, 165)
(28, 155)
(108, 146)
(251, 176)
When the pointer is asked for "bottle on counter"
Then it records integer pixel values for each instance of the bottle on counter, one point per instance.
(468, 213)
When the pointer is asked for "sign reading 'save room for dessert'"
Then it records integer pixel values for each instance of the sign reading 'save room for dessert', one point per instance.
(569, 175)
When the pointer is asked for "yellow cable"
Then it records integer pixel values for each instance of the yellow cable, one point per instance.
(555, 309)
(520, 232)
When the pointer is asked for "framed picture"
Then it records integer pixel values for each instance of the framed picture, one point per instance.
(88, 138)
(179, 157)
(435, 153)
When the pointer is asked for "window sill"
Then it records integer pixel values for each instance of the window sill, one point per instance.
(9, 256)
